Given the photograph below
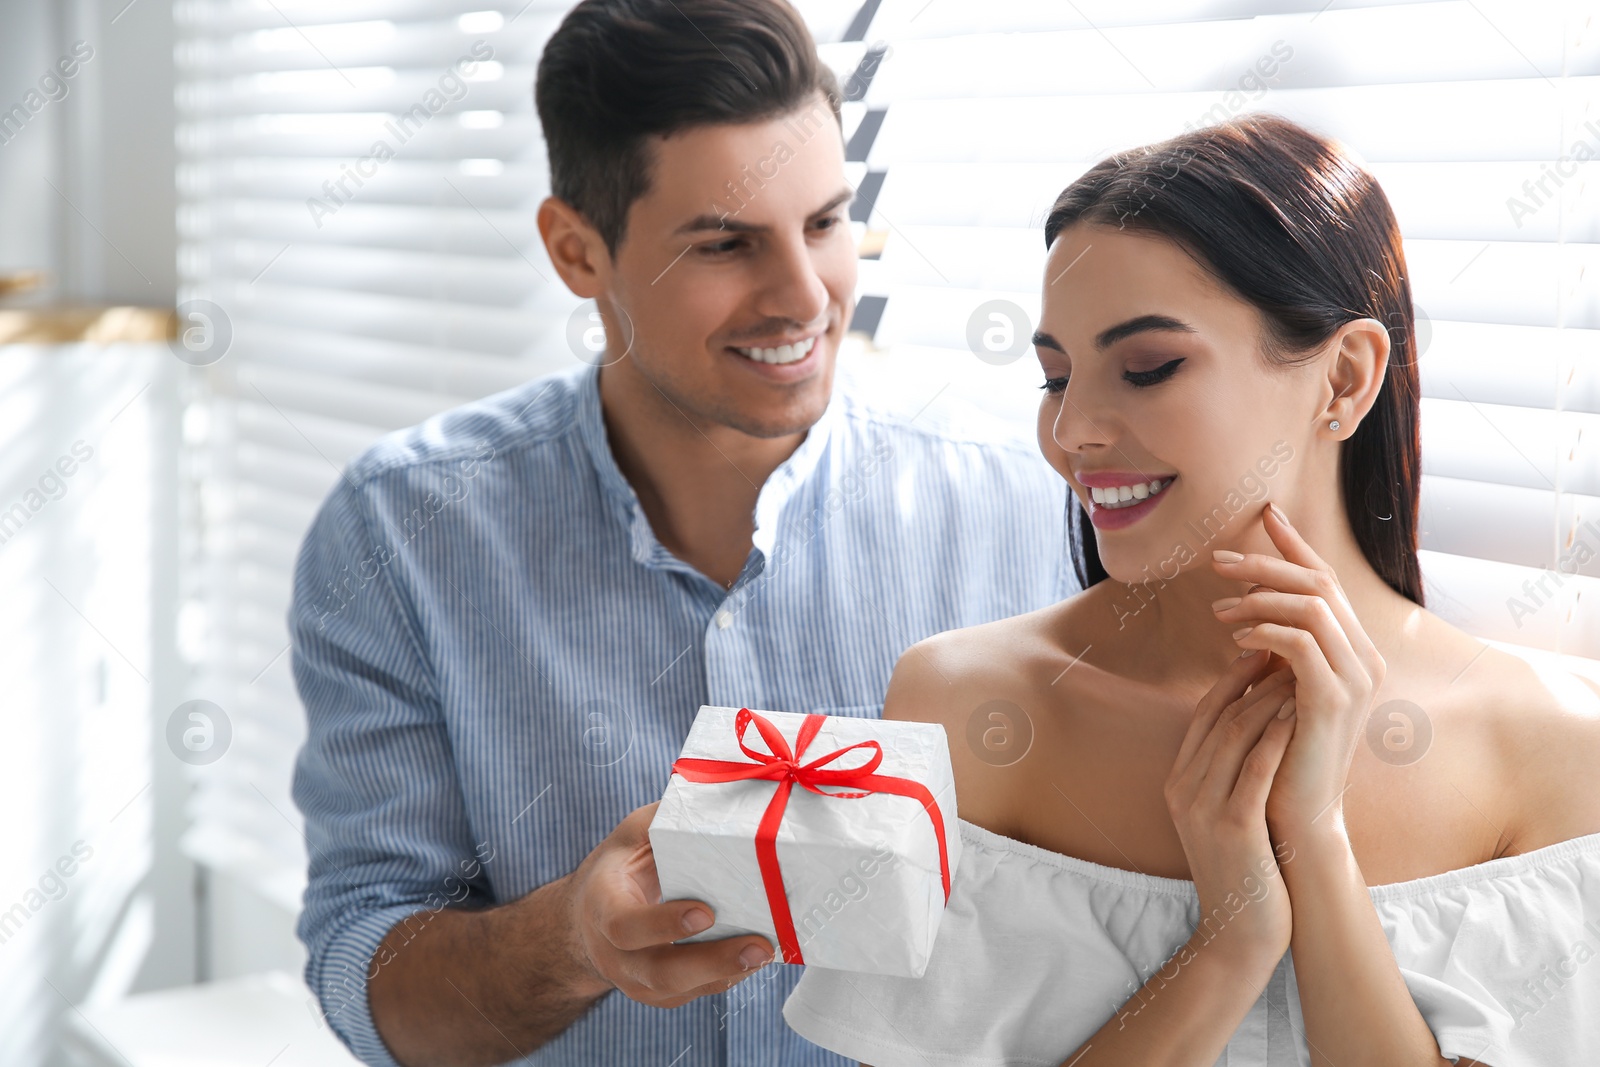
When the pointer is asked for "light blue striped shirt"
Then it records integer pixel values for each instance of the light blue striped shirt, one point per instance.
(499, 661)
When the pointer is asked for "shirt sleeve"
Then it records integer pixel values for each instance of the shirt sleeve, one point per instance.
(1504, 969)
(385, 820)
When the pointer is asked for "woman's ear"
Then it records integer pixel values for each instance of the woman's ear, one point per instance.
(1355, 375)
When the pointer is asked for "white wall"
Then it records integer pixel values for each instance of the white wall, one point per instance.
(106, 230)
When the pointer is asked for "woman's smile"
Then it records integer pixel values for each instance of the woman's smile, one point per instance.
(1118, 500)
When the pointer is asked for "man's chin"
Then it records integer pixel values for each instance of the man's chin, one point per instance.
(771, 421)
(776, 410)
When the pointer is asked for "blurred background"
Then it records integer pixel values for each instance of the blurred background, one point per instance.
(215, 289)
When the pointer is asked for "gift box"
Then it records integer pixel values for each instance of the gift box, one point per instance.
(834, 837)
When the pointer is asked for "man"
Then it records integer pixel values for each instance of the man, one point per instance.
(505, 619)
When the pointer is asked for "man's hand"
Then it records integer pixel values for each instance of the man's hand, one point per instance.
(473, 988)
(623, 939)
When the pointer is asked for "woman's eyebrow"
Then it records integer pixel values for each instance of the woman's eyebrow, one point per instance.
(1121, 331)
(1044, 340)
(1140, 324)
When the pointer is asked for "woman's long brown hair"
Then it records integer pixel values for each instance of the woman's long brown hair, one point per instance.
(1291, 223)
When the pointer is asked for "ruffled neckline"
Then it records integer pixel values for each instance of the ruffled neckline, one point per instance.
(1487, 871)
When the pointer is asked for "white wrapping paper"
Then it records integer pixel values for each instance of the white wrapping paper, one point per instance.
(861, 875)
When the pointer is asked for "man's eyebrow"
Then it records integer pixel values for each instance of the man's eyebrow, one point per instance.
(1121, 331)
(839, 199)
(729, 224)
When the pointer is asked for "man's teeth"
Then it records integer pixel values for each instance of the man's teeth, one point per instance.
(781, 354)
(1121, 496)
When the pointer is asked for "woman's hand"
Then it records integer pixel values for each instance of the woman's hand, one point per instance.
(1297, 610)
(1217, 793)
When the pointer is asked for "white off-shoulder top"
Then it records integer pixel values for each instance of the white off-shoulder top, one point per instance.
(1037, 950)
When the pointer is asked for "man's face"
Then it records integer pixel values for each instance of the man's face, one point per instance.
(737, 272)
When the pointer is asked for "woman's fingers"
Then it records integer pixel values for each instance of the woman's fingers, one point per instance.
(1240, 675)
(1278, 683)
(1237, 739)
(1310, 613)
(1260, 765)
(1288, 539)
(1318, 683)
(1274, 573)
(1301, 571)
(1289, 542)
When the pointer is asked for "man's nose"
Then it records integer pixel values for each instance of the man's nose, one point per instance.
(793, 287)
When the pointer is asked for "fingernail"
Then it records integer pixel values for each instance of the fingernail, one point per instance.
(1222, 555)
(752, 957)
(1287, 709)
(1225, 603)
(1278, 511)
(695, 920)
(1237, 634)
(1247, 653)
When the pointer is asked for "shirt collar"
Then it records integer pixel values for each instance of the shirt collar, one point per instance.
(789, 477)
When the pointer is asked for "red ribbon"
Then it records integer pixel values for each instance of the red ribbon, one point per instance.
(783, 767)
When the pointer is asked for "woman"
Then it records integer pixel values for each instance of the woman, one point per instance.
(1205, 761)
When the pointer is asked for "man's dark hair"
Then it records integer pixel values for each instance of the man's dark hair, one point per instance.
(617, 72)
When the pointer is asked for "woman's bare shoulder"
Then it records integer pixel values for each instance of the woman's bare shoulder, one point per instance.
(1555, 734)
(1540, 725)
(943, 675)
(979, 684)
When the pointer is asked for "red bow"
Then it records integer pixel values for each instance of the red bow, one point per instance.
(784, 768)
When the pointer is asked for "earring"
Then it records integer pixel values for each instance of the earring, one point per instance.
(1334, 425)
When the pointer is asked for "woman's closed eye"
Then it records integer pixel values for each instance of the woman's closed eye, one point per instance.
(1144, 378)
(1140, 378)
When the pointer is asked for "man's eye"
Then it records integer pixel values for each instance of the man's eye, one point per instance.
(1151, 377)
(722, 247)
(1054, 386)
(829, 222)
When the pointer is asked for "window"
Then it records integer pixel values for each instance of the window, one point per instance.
(1487, 141)
(364, 288)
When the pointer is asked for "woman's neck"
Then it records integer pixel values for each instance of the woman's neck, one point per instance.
(1173, 637)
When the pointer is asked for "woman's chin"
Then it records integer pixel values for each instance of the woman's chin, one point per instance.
(1131, 564)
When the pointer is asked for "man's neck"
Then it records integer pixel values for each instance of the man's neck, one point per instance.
(696, 480)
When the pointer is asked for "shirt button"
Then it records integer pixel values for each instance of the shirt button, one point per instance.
(724, 619)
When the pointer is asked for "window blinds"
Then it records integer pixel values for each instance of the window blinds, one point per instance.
(1482, 121)
(358, 181)
(366, 290)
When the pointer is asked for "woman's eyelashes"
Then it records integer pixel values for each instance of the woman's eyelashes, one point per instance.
(1143, 378)
(1140, 378)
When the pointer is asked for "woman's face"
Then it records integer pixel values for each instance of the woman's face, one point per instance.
(1157, 390)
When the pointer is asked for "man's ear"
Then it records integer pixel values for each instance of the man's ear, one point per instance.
(1356, 373)
(576, 248)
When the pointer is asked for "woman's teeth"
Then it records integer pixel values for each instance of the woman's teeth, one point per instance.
(781, 354)
(1121, 496)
